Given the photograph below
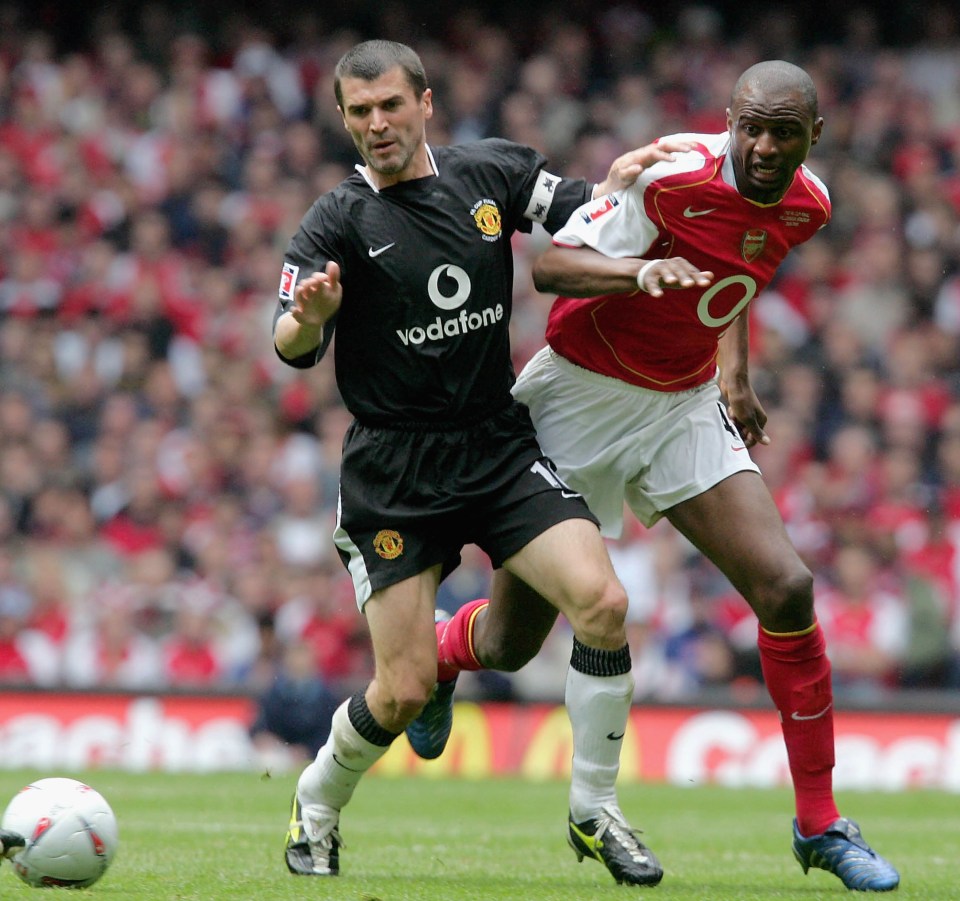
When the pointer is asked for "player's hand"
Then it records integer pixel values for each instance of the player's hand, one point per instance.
(653, 276)
(745, 411)
(317, 297)
(626, 169)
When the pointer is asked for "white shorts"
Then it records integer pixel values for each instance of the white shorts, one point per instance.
(615, 443)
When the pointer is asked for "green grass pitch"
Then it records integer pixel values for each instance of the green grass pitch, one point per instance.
(219, 837)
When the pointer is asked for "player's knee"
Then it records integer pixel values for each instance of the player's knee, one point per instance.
(507, 656)
(403, 702)
(785, 604)
(509, 635)
(602, 617)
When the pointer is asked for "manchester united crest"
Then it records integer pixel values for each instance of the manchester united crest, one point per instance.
(388, 544)
(486, 215)
(752, 244)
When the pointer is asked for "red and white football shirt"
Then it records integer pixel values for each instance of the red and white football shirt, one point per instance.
(689, 208)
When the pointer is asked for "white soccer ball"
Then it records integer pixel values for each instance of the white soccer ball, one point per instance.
(70, 831)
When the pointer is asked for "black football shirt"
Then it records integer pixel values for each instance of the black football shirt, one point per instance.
(427, 272)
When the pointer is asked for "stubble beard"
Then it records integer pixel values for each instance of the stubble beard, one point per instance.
(387, 167)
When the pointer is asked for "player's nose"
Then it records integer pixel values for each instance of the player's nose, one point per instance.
(765, 145)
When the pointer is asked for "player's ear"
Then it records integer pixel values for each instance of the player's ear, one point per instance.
(729, 120)
(426, 103)
(343, 118)
(817, 130)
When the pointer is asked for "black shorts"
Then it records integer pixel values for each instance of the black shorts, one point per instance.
(412, 499)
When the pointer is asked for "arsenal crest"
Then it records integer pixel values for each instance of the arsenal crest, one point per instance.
(752, 244)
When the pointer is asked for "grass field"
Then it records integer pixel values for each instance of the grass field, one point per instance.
(219, 837)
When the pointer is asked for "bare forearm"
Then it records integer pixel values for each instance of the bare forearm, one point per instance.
(294, 339)
(733, 356)
(583, 272)
(743, 405)
(316, 300)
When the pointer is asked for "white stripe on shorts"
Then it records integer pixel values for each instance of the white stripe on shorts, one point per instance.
(357, 567)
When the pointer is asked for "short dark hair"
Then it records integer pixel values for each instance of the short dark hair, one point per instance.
(370, 59)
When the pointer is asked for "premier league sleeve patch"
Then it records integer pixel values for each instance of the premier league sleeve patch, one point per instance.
(288, 280)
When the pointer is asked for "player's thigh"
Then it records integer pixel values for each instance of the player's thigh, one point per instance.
(689, 447)
(401, 623)
(396, 509)
(585, 424)
(568, 564)
(736, 525)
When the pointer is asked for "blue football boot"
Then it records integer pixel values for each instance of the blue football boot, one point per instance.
(841, 850)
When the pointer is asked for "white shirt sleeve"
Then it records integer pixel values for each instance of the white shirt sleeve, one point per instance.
(615, 225)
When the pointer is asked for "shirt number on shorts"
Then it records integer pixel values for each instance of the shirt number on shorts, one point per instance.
(547, 470)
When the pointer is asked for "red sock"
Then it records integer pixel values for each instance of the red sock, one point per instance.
(455, 642)
(797, 673)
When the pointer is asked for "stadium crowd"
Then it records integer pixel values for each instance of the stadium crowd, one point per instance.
(168, 489)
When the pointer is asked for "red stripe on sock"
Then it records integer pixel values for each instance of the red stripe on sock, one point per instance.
(455, 648)
(797, 673)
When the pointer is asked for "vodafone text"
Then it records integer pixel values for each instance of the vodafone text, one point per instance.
(441, 329)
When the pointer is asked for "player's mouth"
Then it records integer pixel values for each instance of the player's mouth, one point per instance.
(766, 174)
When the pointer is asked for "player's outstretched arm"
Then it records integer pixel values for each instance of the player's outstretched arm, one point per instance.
(315, 300)
(584, 272)
(743, 405)
(626, 169)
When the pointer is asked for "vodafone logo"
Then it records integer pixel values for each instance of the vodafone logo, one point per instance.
(461, 287)
(448, 288)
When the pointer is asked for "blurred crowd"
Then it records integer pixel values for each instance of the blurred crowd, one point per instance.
(168, 488)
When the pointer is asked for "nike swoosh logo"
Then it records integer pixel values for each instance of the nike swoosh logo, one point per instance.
(340, 763)
(589, 841)
(590, 844)
(613, 737)
(379, 250)
(815, 716)
(691, 213)
(737, 448)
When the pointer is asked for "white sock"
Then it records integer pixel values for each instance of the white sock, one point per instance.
(340, 763)
(598, 707)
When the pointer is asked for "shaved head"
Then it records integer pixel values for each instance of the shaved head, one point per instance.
(774, 76)
(773, 121)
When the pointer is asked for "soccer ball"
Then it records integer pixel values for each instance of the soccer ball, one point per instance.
(70, 832)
